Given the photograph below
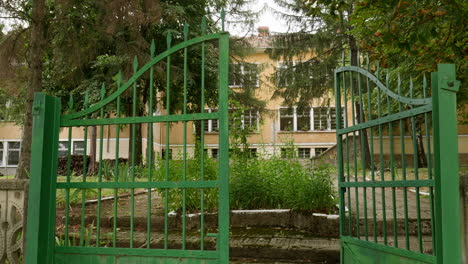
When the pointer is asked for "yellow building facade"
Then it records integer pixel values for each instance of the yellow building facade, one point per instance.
(311, 130)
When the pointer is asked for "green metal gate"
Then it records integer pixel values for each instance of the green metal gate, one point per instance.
(90, 233)
(400, 202)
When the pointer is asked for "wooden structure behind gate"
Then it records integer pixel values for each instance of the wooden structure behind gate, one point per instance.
(83, 238)
(399, 203)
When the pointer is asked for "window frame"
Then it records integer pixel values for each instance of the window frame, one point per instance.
(209, 124)
(282, 65)
(6, 153)
(243, 72)
(323, 148)
(312, 128)
(299, 153)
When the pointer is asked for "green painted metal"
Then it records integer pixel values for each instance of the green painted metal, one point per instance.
(399, 117)
(41, 201)
(448, 227)
(98, 242)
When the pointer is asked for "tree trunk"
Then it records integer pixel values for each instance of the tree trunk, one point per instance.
(363, 133)
(36, 51)
(92, 151)
(422, 159)
(138, 142)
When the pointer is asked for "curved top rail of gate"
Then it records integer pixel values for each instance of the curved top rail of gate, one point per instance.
(383, 87)
(380, 105)
(144, 69)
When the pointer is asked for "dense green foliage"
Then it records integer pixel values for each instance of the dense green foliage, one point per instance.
(255, 183)
(280, 183)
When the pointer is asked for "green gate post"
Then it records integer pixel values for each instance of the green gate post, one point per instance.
(223, 237)
(448, 226)
(41, 203)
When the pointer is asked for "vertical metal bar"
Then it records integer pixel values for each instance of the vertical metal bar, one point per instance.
(371, 139)
(168, 124)
(416, 171)
(85, 171)
(448, 226)
(429, 167)
(356, 189)
(202, 139)
(132, 191)
(184, 172)
(403, 166)
(67, 193)
(392, 165)
(350, 218)
(150, 150)
(381, 161)
(101, 147)
(223, 217)
(117, 156)
(339, 142)
(42, 191)
(363, 156)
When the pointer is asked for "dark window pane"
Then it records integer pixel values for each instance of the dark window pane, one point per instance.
(163, 154)
(63, 148)
(320, 118)
(286, 119)
(78, 148)
(304, 153)
(251, 74)
(303, 119)
(14, 145)
(250, 120)
(214, 153)
(319, 151)
(13, 157)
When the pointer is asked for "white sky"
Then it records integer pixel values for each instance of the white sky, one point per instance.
(266, 18)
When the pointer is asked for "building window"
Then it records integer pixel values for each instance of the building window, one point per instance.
(303, 119)
(249, 119)
(212, 125)
(243, 75)
(78, 148)
(287, 73)
(163, 154)
(287, 153)
(13, 153)
(306, 119)
(321, 118)
(214, 153)
(253, 152)
(319, 151)
(304, 153)
(63, 148)
(333, 118)
(287, 119)
(2, 162)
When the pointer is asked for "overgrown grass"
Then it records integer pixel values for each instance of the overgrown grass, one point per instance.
(255, 183)
(280, 183)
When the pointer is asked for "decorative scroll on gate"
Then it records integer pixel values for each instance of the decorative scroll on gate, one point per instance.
(125, 213)
(398, 166)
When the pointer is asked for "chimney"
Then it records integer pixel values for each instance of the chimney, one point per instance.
(263, 31)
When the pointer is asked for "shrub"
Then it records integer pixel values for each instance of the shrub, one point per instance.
(280, 183)
(193, 172)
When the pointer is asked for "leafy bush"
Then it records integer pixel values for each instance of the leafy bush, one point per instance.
(280, 183)
(193, 173)
(255, 183)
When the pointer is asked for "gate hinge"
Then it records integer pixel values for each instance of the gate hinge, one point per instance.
(453, 86)
(37, 108)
